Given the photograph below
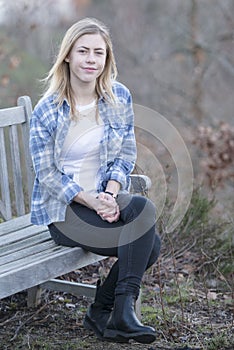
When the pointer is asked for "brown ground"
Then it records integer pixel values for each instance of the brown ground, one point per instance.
(185, 313)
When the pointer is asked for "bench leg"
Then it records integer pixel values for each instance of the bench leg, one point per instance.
(34, 296)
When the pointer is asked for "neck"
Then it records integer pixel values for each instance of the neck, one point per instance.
(84, 93)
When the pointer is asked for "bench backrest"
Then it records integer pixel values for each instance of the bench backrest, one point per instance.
(16, 171)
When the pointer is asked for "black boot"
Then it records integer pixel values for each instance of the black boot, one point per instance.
(99, 312)
(123, 324)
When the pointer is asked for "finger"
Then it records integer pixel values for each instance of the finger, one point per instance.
(113, 218)
(105, 203)
(108, 209)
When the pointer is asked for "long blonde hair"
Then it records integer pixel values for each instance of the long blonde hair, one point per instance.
(58, 78)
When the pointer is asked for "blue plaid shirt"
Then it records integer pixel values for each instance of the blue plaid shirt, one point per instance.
(53, 189)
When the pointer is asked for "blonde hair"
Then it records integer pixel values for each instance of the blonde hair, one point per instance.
(58, 78)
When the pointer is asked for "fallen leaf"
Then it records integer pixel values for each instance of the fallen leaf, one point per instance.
(211, 295)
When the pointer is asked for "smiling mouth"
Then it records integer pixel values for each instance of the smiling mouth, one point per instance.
(90, 69)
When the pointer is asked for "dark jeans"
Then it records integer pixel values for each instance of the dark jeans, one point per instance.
(133, 239)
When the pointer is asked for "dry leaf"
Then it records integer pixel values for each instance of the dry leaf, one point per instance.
(212, 295)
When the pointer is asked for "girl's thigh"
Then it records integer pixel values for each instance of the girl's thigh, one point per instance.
(84, 228)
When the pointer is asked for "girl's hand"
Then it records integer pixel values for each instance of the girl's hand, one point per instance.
(108, 208)
(112, 218)
(104, 205)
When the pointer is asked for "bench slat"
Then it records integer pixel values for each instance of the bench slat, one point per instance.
(70, 287)
(41, 271)
(31, 259)
(11, 116)
(16, 170)
(25, 101)
(21, 234)
(25, 253)
(15, 224)
(28, 242)
(4, 180)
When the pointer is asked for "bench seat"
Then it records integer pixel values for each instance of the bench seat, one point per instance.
(29, 257)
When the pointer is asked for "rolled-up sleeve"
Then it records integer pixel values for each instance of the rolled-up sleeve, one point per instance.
(122, 150)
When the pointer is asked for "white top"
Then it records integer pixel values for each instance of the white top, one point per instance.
(80, 153)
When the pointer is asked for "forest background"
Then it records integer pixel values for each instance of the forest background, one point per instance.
(177, 59)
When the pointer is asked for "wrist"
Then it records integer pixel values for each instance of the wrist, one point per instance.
(112, 194)
(112, 187)
(86, 199)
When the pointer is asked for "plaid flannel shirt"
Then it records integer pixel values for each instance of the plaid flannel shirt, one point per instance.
(53, 189)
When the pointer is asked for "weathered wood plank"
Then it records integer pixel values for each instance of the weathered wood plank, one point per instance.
(2, 209)
(42, 271)
(74, 288)
(12, 116)
(15, 257)
(16, 170)
(15, 224)
(34, 296)
(25, 102)
(21, 234)
(140, 183)
(44, 255)
(4, 178)
(25, 243)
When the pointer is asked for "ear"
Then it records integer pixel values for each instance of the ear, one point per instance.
(66, 59)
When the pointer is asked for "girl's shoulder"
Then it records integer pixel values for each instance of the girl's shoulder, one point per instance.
(46, 103)
(120, 90)
(48, 111)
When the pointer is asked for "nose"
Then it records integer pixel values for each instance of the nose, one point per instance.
(90, 57)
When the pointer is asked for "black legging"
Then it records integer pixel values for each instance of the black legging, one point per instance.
(132, 239)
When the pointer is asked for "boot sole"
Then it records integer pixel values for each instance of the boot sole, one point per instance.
(90, 325)
(123, 337)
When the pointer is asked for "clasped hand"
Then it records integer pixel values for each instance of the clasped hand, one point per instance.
(107, 207)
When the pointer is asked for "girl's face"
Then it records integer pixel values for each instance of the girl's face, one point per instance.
(87, 59)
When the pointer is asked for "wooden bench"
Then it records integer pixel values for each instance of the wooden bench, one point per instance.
(29, 258)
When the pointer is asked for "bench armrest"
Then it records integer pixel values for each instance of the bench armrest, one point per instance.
(140, 183)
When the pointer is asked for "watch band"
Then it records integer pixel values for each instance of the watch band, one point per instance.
(114, 195)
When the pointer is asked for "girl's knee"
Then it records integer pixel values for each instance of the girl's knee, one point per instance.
(143, 203)
(139, 210)
(155, 251)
